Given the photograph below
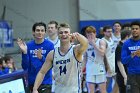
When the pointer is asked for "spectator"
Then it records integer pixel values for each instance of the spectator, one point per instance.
(3, 68)
(9, 61)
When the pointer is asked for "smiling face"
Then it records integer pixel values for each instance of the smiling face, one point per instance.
(108, 33)
(135, 31)
(117, 27)
(64, 34)
(39, 32)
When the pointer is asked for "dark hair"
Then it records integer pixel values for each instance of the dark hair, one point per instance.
(117, 22)
(7, 58)
(54, 22)
(126, 25)
(106, 27)
(135, 23)
(83, 31)
(1, 62)
(125, 33)
(38, 24)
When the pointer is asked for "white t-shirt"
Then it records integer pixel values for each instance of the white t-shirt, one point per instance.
(116, 40)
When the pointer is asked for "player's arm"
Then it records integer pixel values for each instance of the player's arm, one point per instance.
(84, 61)
(46, 66)
(80, 48)
(102, 47)
(122, 70)
(106, 63)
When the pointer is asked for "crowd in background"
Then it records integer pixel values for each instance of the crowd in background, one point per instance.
(7, 65)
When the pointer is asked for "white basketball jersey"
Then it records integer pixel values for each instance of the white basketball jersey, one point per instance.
(56, 42)
(67, 72)
(116, 40)
(95, 64)
(110, 54)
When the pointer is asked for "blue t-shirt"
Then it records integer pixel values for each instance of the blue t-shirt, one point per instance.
(133, 64)
(4, 71)
(33, 64)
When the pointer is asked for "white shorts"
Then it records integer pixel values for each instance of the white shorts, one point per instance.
(97, 79)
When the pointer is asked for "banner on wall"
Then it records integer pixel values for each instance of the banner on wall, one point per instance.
(6, 38)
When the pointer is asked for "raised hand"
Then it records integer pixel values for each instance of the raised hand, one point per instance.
(22, 45)
(39, 53)
(73, 37)
(138, 53)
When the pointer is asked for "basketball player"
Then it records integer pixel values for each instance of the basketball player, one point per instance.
(95, 68)
(52, 31)
(110, 55)
(116, 35)
(66, 61)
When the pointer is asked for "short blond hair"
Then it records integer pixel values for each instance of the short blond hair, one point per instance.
(65, 25)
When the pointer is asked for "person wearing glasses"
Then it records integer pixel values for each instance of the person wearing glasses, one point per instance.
(110, 56)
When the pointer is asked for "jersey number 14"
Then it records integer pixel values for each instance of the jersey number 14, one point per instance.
(63, 69)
